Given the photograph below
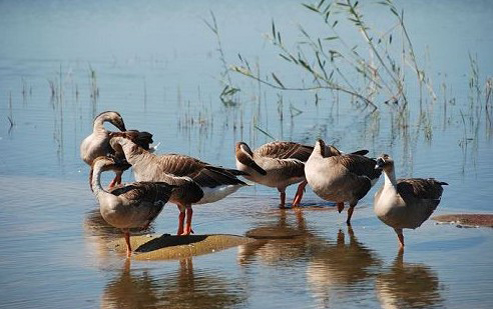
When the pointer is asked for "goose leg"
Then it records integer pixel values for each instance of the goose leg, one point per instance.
(126, 233)
(299, 193)
(188, 225)
(340, 207)
(282, 197)
(181, 220)
(350, 211)
(400, 236)
(117, 180)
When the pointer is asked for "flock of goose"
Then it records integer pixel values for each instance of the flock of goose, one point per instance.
(183, 180)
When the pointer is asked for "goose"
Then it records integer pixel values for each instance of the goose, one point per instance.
(97, 143)
(208, 183)
(134, 205)
(277, 164)
(405, 203)
(339, 177)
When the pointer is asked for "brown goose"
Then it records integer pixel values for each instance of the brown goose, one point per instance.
(340, 177)
(134, 205)
(276, 165)
(405, 203)
(209, 183)
(97, 143)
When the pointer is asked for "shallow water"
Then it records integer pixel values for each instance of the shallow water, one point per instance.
(158, 65)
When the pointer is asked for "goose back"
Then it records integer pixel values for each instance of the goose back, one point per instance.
(340, 178)
(192, 175)
(277, 164)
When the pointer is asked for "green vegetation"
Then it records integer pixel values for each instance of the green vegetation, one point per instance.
(338, 64)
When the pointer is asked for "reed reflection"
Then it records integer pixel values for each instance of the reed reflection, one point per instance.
(183, 288)
(348, 266)
(408, 285)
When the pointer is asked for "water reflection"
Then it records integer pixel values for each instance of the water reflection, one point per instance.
(98, 234)
(278, 243)
(184, 288)
(406, 285)
(341, 265)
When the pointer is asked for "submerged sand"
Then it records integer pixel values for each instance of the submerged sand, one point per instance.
(164, 247)
(485, 220)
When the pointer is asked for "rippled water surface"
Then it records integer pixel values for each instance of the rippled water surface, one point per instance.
(157, 63)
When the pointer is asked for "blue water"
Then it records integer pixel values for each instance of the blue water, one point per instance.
(158, 64)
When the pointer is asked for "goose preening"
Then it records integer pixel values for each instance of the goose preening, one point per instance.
(405, 203)
(339, 177)
(134, 205)
(199, 182)
(97, 143)
(276, 165)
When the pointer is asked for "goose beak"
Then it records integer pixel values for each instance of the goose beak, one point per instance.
(380, 164)
(121, 126)
(257, 168)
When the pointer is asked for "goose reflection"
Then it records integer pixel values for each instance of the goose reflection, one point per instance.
(407, 285)
(98, 233)
(278, 243)
(350, 266)
(184, 288)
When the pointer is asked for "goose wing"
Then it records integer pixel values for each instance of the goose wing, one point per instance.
(214, 176)
(285, 150)
(362, 168)
(204, 174)
(419, 188)
(359, 165)
(139, 194)
(423, 194)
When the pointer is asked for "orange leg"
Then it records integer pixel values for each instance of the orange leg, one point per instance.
(181, 220)
(126, 233)
(116, 181)
(299, 194)
(400, 236)
(188, 226)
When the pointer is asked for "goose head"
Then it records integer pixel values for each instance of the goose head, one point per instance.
(326, 150)
(242, 147)
(384, 162)
(112, 117)
(107, 163)
(245, 156)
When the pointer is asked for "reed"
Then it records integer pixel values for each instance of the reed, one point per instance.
(93, 81)
(10, 117)
(229, 94)
(332, 61)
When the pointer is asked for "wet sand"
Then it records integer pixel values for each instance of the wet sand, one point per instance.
(484, 220)
(166, 247)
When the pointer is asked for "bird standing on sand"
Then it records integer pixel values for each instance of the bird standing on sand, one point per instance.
(133, 205)
(198, 182)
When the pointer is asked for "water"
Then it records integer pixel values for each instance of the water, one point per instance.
(157, 64)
